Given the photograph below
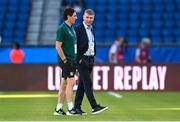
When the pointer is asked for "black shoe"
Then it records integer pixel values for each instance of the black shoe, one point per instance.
(98, 109)
(81, 112)
(73, 112)
(59, 112)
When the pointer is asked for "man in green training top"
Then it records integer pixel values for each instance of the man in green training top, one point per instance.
(66, 44)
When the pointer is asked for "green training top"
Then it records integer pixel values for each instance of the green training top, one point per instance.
(67, 36)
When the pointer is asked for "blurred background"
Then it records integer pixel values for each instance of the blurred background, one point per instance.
(33, 24)
(127, 32)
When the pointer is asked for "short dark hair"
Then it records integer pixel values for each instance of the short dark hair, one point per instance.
(16, 45)
(68, 12)
(89, 11)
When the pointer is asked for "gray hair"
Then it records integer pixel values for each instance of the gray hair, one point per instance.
(89, 11)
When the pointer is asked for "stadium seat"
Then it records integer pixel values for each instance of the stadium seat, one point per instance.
(133, 39)
(121, 32)
(156, 19)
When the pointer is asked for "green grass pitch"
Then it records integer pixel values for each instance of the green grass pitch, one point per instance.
(136, 106)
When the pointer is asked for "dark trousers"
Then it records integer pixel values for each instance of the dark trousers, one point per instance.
(85, 83)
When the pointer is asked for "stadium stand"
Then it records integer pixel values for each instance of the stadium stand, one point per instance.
(36, 21)
(14, 20)
(135, 19)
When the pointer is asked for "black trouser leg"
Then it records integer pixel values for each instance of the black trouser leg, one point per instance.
(87, 82)
(79, 94)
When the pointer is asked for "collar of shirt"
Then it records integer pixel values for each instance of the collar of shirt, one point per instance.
(87, 27)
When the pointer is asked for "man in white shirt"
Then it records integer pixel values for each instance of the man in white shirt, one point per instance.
(116, 55)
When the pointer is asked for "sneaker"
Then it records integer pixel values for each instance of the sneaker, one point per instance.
(81, 112)
(73, 112)
(99, 109)
(59, 112)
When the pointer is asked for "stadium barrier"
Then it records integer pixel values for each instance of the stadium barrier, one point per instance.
(43, 77)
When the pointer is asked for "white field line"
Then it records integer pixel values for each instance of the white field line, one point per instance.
(28, 96)
(115, 95)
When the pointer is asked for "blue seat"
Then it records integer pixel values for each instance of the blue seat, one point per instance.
(111, 25)
(14, 2)
(156, 39)
(22, 17)
(177, 38)
(123, 2)
(143, 32)
(177, 16)
(24, 9)
(110, 17)
(12, 9)
(112, 9)
(134, 16)
(109, 33)
(99, 18)
(121, 32)
(147, 8)
(99, 33)
(168, 39)
(1, 17)
(167, 32)
(159, 8)
(3, 2)
(133, 39)
(170, 7)
(146, 2)
(135, 7)
(25, 2)
(155, 32)
(157, 2)
(109, 39)
(19, 40)
(156, 16)
(132, 32)
(20, 33)
(113, 2)
(124, 8)
(8, 40)
(145, 16)
(11, 17)
(101, 9)
(9, 25)
(123, 24)
(168, 15)
(145, 25)
(168, 1)
(135, 2)
(134, 24)
(169, 23)
(157, 24)
(8, 33)
(156, 35)
(99, 24)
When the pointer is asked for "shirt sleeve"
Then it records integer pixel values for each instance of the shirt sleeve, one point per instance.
(137, 52)
(113, 49)
(60, 35)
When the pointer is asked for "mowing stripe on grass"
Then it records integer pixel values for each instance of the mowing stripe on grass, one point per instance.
(28, 96)
(115, 95)
(162, 109)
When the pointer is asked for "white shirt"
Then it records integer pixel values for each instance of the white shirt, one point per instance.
(90, 51)
(113, 50)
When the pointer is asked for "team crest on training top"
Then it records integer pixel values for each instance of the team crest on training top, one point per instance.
(71, 73)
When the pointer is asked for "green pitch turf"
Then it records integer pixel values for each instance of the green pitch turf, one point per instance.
(137, 106)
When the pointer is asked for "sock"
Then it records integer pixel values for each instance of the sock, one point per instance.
(70, 105)
(59, 106)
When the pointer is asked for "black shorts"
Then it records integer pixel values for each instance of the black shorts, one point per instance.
(68, 72)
